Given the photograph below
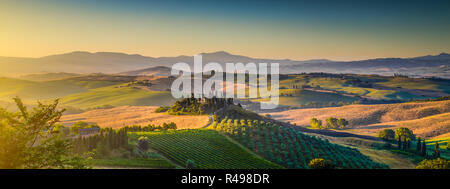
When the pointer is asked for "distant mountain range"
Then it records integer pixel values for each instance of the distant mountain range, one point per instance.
(134, 64)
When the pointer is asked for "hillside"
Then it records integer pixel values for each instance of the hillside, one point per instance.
(426, 119)
(134, 115)
(207, 148)
(118, 96)
(289, 147)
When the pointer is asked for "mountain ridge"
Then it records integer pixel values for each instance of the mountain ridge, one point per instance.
(117, 62)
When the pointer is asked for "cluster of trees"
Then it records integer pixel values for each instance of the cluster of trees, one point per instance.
(103, 144)
(330, 123)
(80, 125)
(151, 127)
(27, 140)
(403, 137)
(198, 106)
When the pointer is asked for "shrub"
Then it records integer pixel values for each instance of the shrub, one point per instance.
(190, 164)
(162, 109)
(320, 163)
(387, 134)
(439, 163)
(143, 143)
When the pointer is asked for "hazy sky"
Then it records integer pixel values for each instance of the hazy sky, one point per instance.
(339, 30)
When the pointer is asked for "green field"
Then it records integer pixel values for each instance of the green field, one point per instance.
(303, 97)
(207, 148)
(157, 163)
(29, 90)
(291, 148)
(112, 95)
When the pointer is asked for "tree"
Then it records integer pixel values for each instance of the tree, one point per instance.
(418, 146)
(143, 143)
(437, 151)
(404, 133)
(387, 134)
(424, 148)
(316, 123)
(332, 123)
(26, 140)
(190, 164)
(76, 127)
(320, 163)
(342, 123)
(438, 163)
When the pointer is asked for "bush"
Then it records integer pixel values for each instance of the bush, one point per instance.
(190, 164)
(320, 163)
(439, 163)
(162, 109)
(143, 143)
(387, 134)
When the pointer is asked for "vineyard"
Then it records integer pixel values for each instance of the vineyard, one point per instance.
(207, 148)
(291, 148)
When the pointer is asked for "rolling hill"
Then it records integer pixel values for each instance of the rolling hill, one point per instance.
(134, 115)
(426, 119)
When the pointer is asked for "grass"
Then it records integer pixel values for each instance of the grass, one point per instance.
(417, 83)
(29, 90)
(130, 163)
(303, 97)
(207, 148)
(112, 95)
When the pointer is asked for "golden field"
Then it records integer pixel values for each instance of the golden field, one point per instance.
(426, 119)
(134, 115)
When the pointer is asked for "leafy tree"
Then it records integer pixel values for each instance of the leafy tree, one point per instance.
(76, 127)
(26, 140)
(438, 163)
(143, 143)
(316, 123)
(404, 133)
(320, 163)
(342, 123)
(387, 134)
(190, 164)
(332, 123)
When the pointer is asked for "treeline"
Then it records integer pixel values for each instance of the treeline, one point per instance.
(102, 144)
(404, 138)
(196, 106)
(163, 127)
(330, 123)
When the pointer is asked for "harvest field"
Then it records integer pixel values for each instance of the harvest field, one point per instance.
(134, 115)
(291, 148)
(207, 148)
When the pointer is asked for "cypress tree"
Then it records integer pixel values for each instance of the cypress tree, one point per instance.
(437, 151)
(418, 150)
(424, 148)
(405, 145)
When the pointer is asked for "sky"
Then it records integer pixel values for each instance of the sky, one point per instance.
(298, 30)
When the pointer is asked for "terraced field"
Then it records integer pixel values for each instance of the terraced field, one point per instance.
(207, 148)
